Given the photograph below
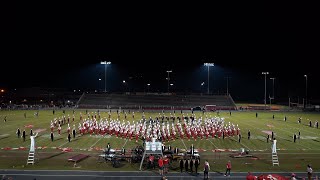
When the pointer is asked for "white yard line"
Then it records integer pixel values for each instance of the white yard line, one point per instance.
(242, 144)
(213, 144)
(125, 142)
(183, 143)
(63, 144)
(96, 142)
(303, 129)
(277, 135)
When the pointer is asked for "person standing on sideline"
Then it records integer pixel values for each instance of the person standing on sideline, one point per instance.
(250, 176)
(309, 171)
(249, 134)
(268, 138)
(228, 168)
(239, 137)
(24, 135)
(186, 165)
(191, 165)
(294, 137)
(18, 132)
(160, 164)
(196, 165)
(181, 165)
(206, 170)
(256, 114)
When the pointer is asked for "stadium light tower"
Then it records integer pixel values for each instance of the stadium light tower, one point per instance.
(228, 77)
(106, 63)
(272, 89)
(265, 89)
(305, 105)
(148, 86)
(208, 65)
(168, 78)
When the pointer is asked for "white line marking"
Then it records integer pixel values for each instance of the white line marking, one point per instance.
(63, 144)
(213, 144)
(125, 142)
(96, 142)
(184, 144)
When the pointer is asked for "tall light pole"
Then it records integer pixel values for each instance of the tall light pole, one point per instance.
(227, 84)
(148, 86)
(265, 89)
(201, 87)
(272, 88)
(306, 91)
(168, 78)
(105, 73)
(208, 65)
(99, 84)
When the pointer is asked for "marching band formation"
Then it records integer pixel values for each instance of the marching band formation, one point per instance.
(161, 127)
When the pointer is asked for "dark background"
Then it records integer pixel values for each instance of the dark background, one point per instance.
(61, 46)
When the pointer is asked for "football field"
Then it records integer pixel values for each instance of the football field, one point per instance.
(293, 156)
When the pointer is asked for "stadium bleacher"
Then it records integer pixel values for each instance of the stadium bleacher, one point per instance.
(154, 101)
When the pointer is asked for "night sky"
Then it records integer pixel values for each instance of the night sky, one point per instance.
(47, 45)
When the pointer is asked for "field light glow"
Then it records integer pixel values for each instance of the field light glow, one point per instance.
(208, 64)
(105, 62)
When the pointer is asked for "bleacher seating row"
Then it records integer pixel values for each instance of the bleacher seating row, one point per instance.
(137, 101)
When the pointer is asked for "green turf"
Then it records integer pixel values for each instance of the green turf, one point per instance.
(293, 157)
